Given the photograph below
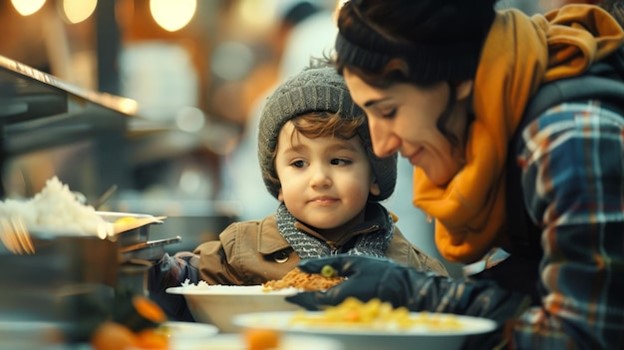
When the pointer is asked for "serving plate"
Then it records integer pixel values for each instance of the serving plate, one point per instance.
(185, 334)
(419, 336)
(129, 221)
(237, 342)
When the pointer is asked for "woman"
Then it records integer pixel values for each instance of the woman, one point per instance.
(445, 84)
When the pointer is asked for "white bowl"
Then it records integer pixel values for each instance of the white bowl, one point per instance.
(237, 342)
(362, 338)
(218, 304)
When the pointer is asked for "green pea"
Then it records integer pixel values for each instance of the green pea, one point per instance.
(328, 271)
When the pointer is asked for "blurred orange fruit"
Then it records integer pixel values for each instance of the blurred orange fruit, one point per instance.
(261, 339)
(152, 339)
(113, 336)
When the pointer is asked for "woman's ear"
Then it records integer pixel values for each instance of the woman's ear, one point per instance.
(464, 89)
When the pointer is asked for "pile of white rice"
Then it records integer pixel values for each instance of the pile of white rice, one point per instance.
(57, 210)
(220, 289)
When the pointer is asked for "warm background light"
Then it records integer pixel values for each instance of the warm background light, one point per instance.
(77, 11)
(173, 15)
(27, 7)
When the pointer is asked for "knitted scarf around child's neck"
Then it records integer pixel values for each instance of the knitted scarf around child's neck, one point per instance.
(307, 246)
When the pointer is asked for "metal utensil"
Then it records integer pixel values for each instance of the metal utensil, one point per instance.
(104, 196)
(150, 250)
(15, 236)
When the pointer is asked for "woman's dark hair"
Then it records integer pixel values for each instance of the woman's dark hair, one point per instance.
(421, 42)
(432, 40)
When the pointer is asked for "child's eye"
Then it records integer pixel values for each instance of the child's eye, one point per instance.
(298, 164)
(339, 161)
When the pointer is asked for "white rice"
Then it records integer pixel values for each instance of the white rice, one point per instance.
(57, 210)
(204, 288)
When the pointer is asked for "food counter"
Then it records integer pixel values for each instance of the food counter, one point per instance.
(53, 292)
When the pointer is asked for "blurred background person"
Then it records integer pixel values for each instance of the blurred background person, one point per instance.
(242, 181)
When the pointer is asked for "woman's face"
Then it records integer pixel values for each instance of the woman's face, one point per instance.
(402, 118)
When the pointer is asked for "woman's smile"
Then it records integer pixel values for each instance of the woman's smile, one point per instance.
(415, 157)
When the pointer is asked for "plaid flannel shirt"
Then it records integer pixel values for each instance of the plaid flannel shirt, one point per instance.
(573, 184)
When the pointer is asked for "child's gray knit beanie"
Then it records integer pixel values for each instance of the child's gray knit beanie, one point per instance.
(316, 89)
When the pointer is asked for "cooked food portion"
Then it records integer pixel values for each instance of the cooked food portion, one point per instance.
(204, 289)
(56, 209)
(376, 315)
(305, 281)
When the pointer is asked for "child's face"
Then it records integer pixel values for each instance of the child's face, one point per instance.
(325, 181)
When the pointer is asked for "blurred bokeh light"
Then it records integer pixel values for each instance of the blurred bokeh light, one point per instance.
(27, 7)
(76, 11)
(173, 15)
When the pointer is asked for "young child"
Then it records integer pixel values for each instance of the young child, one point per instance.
(316, 159)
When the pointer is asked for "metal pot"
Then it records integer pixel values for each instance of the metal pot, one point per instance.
(133, 238)
(63, 259)
(64, 282)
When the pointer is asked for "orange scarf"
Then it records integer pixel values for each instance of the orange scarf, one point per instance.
(520, 54)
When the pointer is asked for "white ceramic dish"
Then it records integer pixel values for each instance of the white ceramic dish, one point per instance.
(287, 342)
(217, 304)
(136, 221)
(417, 337)
(185, 334)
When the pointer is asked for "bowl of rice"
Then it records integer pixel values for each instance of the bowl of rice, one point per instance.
(57, 211)
(220, 304)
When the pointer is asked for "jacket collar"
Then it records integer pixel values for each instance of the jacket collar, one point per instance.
(270, 241)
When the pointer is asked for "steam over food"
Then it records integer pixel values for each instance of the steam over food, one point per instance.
(302, 280)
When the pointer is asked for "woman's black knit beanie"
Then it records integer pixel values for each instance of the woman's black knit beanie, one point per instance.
(441, 40)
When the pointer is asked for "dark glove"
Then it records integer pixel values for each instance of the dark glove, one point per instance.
(369, 277)
(171, 271)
